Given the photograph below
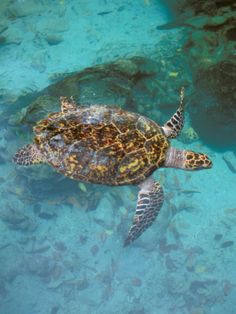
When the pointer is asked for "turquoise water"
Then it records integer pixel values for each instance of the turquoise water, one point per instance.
(61, 244)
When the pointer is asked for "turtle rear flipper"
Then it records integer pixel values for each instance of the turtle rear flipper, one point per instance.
(150, 200)
(173, 127)
(28, 155)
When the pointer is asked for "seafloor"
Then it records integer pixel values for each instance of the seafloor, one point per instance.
(61, 244)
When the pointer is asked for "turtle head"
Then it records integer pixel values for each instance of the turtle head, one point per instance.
(197, 161)
(184, 159)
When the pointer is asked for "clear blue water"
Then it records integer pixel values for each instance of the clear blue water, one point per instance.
(61, 244)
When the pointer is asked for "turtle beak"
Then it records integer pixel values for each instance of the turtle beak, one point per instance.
(207, 163)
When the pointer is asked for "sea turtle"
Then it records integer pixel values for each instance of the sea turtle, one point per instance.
(108, 145)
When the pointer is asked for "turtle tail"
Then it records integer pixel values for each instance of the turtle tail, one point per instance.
(28, 155)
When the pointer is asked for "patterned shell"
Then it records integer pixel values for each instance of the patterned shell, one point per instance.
(102, 144)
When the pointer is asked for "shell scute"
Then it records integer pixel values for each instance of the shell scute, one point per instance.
(156, 148)
(132, 165)
(147, 127)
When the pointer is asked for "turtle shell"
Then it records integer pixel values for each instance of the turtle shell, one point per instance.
(102, 144)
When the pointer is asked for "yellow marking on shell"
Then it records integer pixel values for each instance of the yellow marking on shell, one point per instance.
(114, 125)
(73, 159)
(99, 168)
(130, 145)
(134, 165)
(72, 167)
(71, 164)
(61, 124)
(141, 134)
(123, 169)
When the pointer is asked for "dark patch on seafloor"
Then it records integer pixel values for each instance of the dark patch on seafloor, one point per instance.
(210, 50)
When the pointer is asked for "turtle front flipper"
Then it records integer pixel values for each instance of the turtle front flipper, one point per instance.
(150, 200)
(28, 155)
(173, 127)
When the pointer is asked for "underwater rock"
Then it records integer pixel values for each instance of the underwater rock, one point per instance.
(53, 39)
(218, 237)
(230, 160)
(228, 287)
(197, 310)
(83, 239)
(3, 289)
(174, 286)
(136, 282)
(94, 249)
(105, 217)
(82, 284)
(167, 248)
(40, 265)
(3, 26)
(93, 198)
(16, 219)
(3, 40)
(201, 286)
(230, 211)
(38, 250)
(47, 215)
(170, 263)
(138, 311)
(54, 309)
(2, 159)
(231, 34)
(12, 263)
(60, 246)
(227, 244)
(23, 8)
(55, 25)
(67, 282)
(39, 61)
(13, 36)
